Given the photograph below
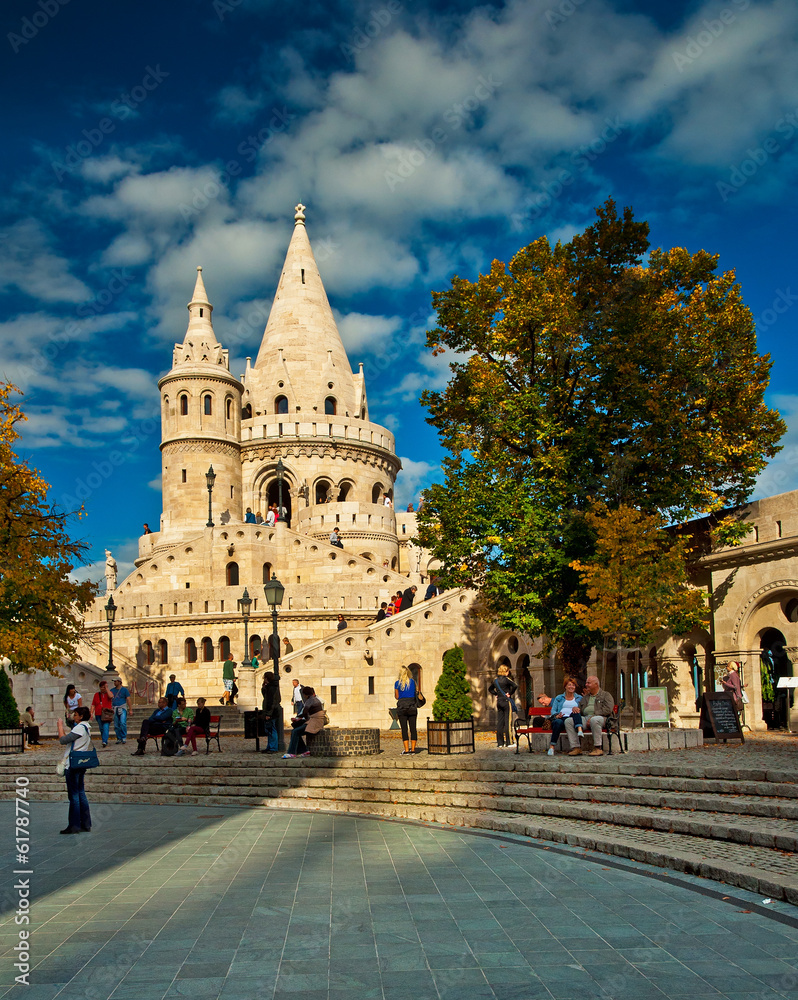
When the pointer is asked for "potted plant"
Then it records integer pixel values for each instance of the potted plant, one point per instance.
(451, 729)
(11, 740)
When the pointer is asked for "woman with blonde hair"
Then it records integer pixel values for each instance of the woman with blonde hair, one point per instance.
(504, 687)
(407, 710)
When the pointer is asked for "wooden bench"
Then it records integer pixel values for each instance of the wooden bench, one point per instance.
(539, 721)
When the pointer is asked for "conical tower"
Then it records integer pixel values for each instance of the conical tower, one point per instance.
(304, 406)
(200, 426)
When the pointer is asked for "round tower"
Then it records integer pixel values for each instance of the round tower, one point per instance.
(200, 427)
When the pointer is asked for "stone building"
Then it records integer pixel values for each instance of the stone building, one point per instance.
(294, 430)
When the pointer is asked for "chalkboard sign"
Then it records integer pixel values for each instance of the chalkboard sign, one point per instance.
(719, 717)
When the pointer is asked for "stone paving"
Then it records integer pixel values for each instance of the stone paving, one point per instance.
(171, 901)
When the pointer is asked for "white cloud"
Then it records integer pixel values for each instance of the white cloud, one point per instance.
(781, 473)
(413, 477)
(361, 332)
(28, 262)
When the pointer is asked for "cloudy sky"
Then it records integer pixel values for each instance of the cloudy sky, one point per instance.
(426, 140)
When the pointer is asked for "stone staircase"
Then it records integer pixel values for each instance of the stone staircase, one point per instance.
(738, 825)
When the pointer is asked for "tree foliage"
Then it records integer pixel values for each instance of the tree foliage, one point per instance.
(636, 581)
(453, 701)
(583, 375)
(41, 608)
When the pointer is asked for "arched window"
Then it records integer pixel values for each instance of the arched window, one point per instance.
(207, 405)
(254, 645)
(232, 574)
(163, 651)
(246, 412)
(281, 404)
(322, 490)
(183, 405)
(330, 406)
(224, 648)
(228, 408)
(207, 650)
(376, 493)
(148, 651)
(191, 651)
(343, 491)
(267, 572)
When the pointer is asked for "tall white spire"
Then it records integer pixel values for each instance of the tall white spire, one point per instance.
(301, 343)
(200, 343)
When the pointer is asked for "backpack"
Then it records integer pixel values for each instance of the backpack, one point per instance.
(170, 742)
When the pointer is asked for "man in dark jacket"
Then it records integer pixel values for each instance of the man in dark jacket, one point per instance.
(156, 725)
(270, 690)
(597, 706)
(407, 598)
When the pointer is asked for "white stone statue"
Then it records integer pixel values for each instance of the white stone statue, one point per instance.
(110, 572)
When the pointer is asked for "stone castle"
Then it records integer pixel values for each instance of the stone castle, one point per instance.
(294, 431)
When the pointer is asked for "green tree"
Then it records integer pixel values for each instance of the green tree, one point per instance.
(9, 713)
(453, 701)
(584, 374)
(41, 607)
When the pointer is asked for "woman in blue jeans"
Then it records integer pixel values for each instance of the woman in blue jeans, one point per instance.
(79, 738)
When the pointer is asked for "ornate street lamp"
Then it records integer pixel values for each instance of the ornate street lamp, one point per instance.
(245, 606)
(110, 615)
(275, 592)
(280, 474)
(210, 479)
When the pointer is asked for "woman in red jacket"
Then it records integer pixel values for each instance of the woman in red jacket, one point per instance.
(102, 708)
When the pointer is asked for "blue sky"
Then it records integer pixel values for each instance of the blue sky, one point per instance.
(141, 139)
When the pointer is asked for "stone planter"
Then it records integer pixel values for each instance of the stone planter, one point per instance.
(12, 740)
(451, 737)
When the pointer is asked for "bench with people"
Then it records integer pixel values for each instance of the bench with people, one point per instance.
(575, 715)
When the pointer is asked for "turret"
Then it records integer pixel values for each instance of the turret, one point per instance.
(200, 426)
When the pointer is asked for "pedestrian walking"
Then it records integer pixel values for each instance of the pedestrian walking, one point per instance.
(120, 697)
(102, 707)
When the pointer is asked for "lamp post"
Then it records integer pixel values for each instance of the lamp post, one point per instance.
(110, 615)
(274, 592)
(210, 479)
(280, 474)
(244, 606)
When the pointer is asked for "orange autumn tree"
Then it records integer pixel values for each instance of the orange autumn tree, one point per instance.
(636, 582)
(41, 607)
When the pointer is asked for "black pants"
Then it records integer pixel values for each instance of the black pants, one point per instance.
(149, 728)
(407, 711)
(32, 734)
(503, 723)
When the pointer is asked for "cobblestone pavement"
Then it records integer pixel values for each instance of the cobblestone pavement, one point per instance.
(172, 901)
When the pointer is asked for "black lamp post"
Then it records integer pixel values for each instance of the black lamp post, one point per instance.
(210, 479)
(244, 606)
(280, 474)
(110, 615)
(274, 592)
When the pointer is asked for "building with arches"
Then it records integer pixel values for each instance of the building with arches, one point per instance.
(293, 432)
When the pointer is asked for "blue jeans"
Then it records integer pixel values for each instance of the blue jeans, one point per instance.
(272, 735)
(120, 723)
(104, 728)
(297, 744)
(79, 814)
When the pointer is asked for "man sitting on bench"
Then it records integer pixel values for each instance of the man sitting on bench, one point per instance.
(156, 725)
(597, 706)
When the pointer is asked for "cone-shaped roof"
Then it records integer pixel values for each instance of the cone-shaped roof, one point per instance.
(301, 343)
(200, 345)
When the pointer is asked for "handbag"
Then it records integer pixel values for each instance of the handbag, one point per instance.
(84, 758)
(107, 715)
(421, 701)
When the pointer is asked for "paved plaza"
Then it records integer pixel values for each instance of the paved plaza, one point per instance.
(208, 902)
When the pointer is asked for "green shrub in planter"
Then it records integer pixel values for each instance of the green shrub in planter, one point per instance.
(453, 702)
(9, 713)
